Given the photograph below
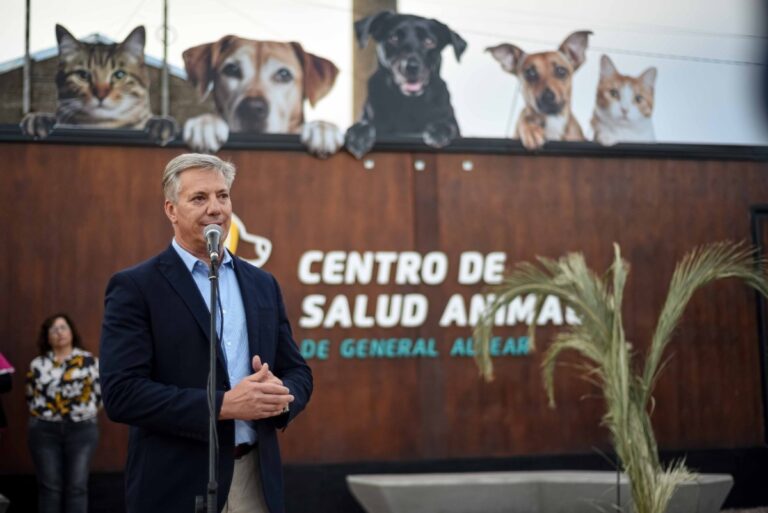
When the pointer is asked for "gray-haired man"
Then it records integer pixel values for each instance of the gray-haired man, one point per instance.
(154, 360)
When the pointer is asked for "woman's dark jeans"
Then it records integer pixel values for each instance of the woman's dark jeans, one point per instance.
(62, 454)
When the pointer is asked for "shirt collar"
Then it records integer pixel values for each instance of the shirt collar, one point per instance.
(76, 351)
(191, 260)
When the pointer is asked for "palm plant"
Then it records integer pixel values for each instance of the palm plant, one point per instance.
(600, 339)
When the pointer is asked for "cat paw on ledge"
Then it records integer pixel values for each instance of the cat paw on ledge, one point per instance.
(161, 129)
(38, 124)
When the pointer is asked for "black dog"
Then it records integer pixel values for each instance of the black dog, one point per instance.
(406, 94)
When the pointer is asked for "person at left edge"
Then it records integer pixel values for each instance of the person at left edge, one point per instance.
(63, 396)
(6, 385)
(154, 360)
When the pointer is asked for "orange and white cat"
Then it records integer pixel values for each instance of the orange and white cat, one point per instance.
(624, 106)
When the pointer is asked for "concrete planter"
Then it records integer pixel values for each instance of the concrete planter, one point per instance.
(522, 492)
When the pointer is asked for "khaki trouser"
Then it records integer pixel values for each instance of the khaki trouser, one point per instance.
(246, 495)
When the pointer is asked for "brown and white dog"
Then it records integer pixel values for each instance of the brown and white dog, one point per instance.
(259, 87)
(546, 79)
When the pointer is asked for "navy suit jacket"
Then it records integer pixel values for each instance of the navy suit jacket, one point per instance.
(154, 368)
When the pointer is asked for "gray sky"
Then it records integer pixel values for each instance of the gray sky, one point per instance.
(704, 50)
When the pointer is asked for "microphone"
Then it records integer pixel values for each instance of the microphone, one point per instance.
(213, 234)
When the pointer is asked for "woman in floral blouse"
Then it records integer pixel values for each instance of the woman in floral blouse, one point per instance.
(64, 396)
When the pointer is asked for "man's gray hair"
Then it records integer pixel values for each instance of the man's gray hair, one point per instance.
(171, 182)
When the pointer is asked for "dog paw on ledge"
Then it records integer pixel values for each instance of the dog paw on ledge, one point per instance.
(532, 136)
(360, 138)
(206, 133)
(322, 138)
(440, 134)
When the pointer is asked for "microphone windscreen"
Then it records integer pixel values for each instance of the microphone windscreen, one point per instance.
(213, 228)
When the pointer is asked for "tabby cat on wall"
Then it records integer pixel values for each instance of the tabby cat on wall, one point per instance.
(624, 106)
(102, 86)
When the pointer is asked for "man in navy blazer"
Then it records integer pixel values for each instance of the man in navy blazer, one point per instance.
(154, 360)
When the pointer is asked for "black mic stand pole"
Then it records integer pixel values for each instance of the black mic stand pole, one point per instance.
(213, 443)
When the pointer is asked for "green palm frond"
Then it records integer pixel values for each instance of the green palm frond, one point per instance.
(600, 340)
(563, 342)
(698, 268)
(568, 279)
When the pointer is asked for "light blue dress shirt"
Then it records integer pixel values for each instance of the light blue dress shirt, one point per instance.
(232, 329)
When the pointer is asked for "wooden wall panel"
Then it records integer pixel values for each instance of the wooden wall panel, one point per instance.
(75, 214)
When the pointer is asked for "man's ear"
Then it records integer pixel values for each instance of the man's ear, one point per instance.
(509, 56)
(319, 74)
(371, 26)
(170, 211)
(575, 47)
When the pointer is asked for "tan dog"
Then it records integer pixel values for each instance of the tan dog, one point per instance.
(546, 79)
(259, 87)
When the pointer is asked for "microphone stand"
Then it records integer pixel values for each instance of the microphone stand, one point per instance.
(210, 505)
